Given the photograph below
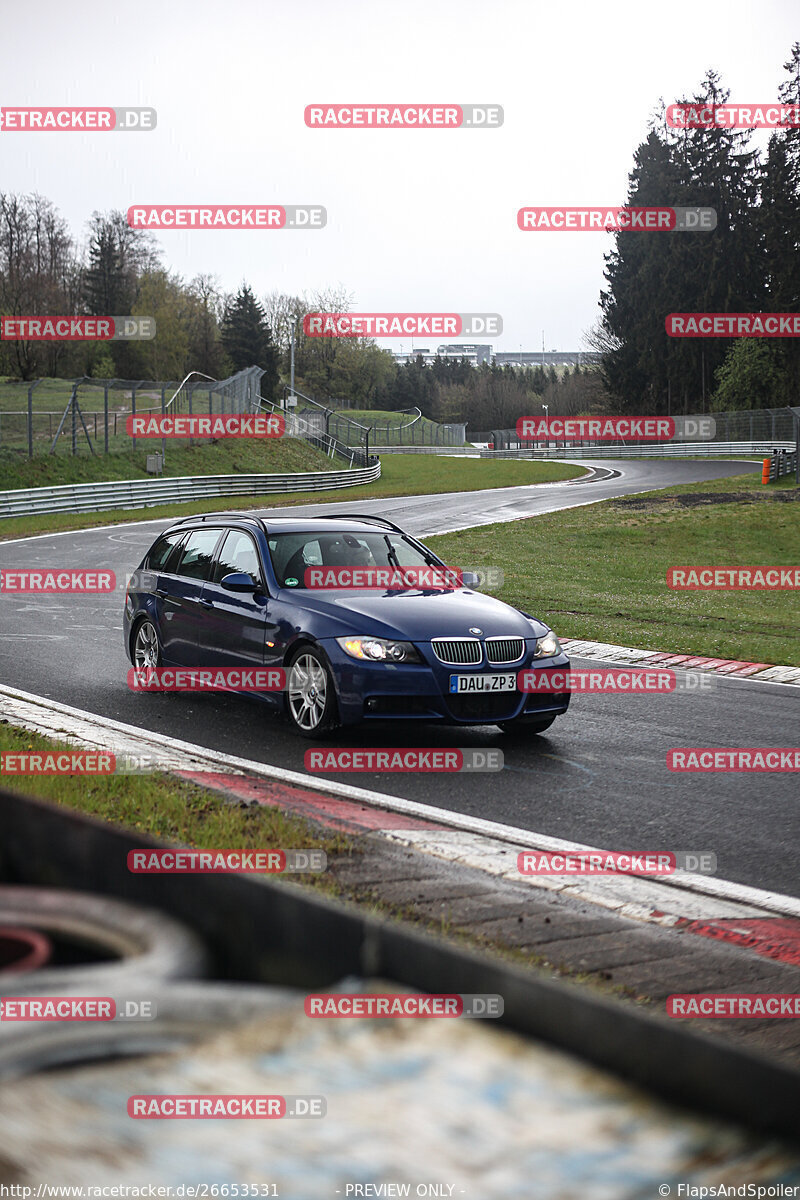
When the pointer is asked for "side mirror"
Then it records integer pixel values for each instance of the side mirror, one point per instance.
(469, 579)
(238, 581)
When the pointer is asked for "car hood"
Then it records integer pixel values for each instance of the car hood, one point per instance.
(418, 616)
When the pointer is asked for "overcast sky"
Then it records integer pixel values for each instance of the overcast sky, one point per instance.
(417, 220)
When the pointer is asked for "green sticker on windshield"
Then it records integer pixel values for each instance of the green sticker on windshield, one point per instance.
(292, 582)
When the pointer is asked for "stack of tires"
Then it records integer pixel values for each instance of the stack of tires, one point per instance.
(59, 943)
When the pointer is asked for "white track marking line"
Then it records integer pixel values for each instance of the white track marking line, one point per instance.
(66, 723)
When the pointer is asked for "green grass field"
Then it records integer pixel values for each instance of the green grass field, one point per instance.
(228, 456)
(599, 571)
(53, 394)
(389, 428)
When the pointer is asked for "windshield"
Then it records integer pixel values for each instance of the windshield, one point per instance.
(293, 553)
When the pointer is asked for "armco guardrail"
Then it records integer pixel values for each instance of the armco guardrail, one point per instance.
(780, 463)
(145, 493)
(665, 450)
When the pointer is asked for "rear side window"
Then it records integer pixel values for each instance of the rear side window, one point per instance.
(198, 554)
(157, 558)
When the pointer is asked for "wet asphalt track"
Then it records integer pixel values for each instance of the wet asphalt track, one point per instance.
(598, 776)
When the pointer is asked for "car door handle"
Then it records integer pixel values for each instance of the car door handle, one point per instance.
(162, 592)
(206, 603)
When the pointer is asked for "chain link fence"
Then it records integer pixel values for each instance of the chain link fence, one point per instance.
(761, 427)
(407, 427)
(88, 416)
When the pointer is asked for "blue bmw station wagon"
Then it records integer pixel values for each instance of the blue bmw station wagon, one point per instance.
(229, 590)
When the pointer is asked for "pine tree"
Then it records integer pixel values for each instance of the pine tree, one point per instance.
(247, 339)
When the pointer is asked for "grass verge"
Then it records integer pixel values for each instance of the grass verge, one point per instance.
(165, 807)
(599, 571)
(228, 456)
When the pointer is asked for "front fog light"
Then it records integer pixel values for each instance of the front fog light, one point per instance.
(548, 646)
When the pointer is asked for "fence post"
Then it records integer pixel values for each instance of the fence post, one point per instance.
(163, 440)
(133, 414)
(74, 419)
(105, 417)
(30, 420)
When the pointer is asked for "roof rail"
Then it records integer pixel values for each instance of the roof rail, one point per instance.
(361, 517)
(235, 515)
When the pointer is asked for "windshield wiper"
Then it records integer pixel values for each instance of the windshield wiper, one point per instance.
(391, 556)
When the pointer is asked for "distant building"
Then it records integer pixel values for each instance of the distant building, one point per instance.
(477, 354)
(545, 358)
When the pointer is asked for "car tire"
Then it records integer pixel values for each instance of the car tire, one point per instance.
(522, 725)
(145, 644)
(310, 701)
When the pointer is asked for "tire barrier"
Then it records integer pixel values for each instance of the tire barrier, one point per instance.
(185, 1013)
(98, 943)
(22, 950)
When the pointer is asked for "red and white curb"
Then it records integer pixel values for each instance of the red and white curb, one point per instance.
(606, 652)
(766, 922)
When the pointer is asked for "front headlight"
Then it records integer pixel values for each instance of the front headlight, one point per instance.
(372, 649)
(548, 646)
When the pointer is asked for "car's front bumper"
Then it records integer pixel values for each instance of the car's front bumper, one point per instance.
(396, 691)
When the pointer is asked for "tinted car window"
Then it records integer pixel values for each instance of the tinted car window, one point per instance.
(293, 552)
(238, 553)
(157, 558)
(198, 551)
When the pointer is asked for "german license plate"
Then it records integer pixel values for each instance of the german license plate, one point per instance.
(483, 683)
